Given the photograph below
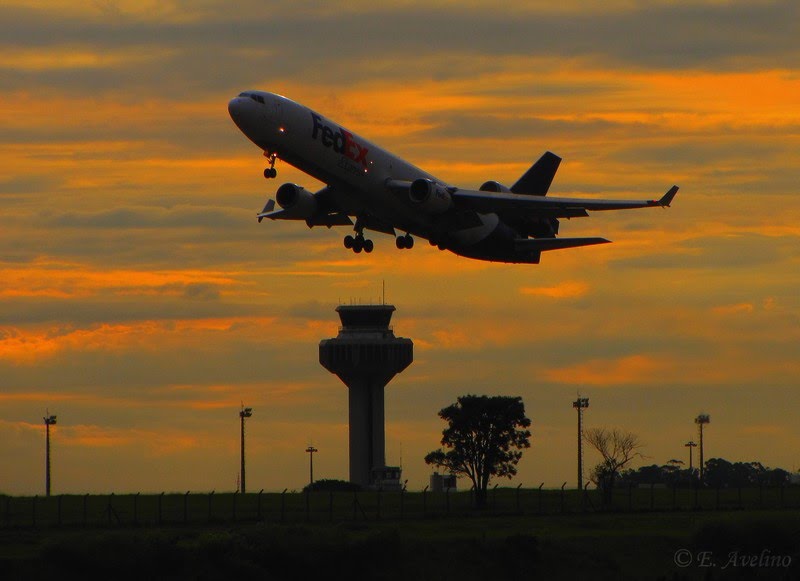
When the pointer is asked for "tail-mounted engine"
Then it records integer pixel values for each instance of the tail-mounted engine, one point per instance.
(297, 202)
(493, 186)
(431, 197)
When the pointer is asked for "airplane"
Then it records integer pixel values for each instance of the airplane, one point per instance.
(386, 194)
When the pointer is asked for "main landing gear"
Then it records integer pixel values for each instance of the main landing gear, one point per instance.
(406, 241)
(271, 172)
(358, 243)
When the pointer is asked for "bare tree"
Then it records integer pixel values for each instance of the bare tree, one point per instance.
(617, 447)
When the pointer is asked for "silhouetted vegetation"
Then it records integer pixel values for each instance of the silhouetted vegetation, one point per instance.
(332, 485)
(719, 473)
(618, 448)
(484, 438)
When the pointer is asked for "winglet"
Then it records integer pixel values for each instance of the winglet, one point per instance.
(666, 199)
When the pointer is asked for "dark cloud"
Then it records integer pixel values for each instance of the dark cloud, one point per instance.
(254, 45)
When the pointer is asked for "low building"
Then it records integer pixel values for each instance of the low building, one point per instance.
(442, 482)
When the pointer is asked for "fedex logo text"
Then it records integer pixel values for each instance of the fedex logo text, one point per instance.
(341, 141)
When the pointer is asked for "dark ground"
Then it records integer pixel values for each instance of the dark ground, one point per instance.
(731, 545)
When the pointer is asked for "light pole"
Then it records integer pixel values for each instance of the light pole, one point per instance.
(244, 413)
(690, 444)
(701, 420)
(48, 421)
(580, 404)
(311, 450)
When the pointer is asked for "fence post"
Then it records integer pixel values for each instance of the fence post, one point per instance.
(260, 492)
(186, 507)
(562, 496)
(283, 505)
(540, 497)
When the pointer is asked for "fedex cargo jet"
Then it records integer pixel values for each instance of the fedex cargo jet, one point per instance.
(385, 193)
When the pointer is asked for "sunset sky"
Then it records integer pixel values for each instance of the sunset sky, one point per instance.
(142, 303)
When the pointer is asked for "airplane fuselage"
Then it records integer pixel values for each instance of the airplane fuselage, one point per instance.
(358, 172)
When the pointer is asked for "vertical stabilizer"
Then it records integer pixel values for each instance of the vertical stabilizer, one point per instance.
(536, 181)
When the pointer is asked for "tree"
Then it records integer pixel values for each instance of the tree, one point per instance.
(484, 438)
(617, 448)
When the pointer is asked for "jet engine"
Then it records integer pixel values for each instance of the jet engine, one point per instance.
(297, 202)
(493, 186)
(430, 196)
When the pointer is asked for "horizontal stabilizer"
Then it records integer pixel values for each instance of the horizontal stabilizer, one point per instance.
(542, 244)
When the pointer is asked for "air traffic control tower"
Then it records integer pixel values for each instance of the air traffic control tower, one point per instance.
(366, 356)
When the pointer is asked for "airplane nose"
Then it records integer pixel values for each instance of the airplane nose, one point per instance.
(235, 107)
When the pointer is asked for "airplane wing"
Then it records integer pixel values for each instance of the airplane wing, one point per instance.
(330, 219)
(549, 207)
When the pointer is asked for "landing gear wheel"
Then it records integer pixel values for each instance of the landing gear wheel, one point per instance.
(271, 172)
(408, 241)
(349, 241)
(358, 244)
(368, 246)
(400, 242)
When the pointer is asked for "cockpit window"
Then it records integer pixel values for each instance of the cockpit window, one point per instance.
(253, 96)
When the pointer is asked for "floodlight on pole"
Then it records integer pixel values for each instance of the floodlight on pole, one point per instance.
(580, 404)
(311, 450)
(48, 421)
(702, 420)
(244, 413)
(690, 444)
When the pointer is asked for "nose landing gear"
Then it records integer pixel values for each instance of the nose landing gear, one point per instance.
(271, 172)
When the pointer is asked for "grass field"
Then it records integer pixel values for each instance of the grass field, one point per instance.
(525, 534)
(570, 546)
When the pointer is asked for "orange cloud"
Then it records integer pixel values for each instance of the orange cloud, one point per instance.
(48, 278)
(610, 373)
(739, 308)
(565, 290)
